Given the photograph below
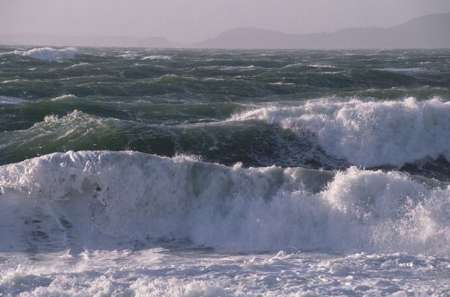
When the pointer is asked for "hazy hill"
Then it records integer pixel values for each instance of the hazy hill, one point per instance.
(432, 31)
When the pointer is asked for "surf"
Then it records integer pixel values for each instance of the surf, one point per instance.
(105, 200)
(367, 133)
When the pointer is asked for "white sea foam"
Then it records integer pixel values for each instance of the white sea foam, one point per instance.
(320, 66)
(64, 97)
(99, 199)
(157, 57)
(368, 133)
(404, 70)
(49, 54)
(128, 54)
(294, 65)
(281, 83)
(229, 68)
(161, 272)
(78, 65)
(10, 100)
(12, 81)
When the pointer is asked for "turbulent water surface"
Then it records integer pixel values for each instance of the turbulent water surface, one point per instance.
(132, 172)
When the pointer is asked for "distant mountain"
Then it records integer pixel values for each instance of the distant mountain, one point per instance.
(96, 41)
(431, 31)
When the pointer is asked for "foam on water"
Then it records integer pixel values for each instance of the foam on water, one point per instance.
(10, 100)
(103, 199)
(64, 97)
(157, 57)
(77, 65)
(160, 272)
(404, 70)
(368, 133)
(49, 54)
(322, 66)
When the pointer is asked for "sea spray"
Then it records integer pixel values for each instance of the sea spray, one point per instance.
(368, 133)
(129, 197)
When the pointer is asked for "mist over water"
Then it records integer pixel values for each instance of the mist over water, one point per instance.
(134, 172)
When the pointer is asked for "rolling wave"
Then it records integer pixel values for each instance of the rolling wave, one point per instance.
(49, 54)
(368, 133)
(322, 133)
(105, 200)
(251, 142)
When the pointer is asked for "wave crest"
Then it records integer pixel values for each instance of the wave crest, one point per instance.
(102, 199)
(49, 54)
(369, 133)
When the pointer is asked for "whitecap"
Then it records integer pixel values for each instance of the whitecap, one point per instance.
(78, 65)
(100, 199)
(10, 100)
(368, 133)
(49, 54)
(64, 97)
(404, 70)
(157, 57)
(320, 66)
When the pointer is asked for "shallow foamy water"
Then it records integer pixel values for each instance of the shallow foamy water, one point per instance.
(172, 272)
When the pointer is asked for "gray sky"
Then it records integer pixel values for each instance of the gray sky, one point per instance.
(195, 20)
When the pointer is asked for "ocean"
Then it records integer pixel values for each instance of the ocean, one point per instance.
(178, 172)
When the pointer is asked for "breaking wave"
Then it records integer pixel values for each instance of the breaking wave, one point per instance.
(368, 133)
(157, 57)
(49, 54)
(105, 199)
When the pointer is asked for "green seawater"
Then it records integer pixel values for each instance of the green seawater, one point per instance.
(170, 102)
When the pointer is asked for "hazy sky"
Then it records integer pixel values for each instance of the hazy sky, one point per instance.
(195, 20)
